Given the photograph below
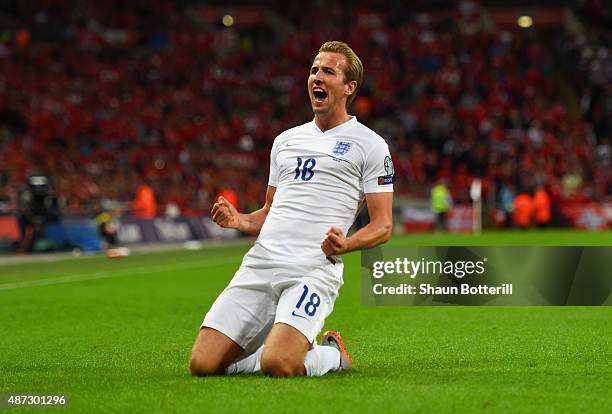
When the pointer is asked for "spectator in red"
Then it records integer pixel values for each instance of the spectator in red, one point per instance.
(541, 205)
(523, 210)
(144, 205)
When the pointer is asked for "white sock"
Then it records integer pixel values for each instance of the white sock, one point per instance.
(246, 365)
(321, 359)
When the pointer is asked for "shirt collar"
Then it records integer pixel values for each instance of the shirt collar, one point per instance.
(352, 121)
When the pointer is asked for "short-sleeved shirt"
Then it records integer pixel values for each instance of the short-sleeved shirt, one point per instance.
(321, 179)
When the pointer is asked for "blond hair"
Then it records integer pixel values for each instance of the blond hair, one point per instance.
(354, 67)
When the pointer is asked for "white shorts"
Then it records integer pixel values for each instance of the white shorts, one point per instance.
(261, 295)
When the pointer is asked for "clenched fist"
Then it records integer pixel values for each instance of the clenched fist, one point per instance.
(224, 213)
(335, 243)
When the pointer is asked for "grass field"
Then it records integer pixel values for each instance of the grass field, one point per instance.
(115, 336)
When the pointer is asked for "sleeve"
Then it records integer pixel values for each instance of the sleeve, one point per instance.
(274, 172)
(378, 170)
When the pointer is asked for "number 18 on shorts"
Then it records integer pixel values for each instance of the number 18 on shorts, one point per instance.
(305, 306)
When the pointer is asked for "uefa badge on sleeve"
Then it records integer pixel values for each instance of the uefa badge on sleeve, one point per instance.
(389, 170)
(389, 166)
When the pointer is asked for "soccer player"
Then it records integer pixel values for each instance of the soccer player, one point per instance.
(320, 175)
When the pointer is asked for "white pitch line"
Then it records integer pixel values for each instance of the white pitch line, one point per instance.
(108, 274)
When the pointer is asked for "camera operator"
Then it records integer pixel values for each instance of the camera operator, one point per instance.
(37, 206)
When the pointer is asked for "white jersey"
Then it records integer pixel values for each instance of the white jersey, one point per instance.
(321, 179)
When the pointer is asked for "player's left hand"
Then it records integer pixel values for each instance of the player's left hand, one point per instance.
(335, 243)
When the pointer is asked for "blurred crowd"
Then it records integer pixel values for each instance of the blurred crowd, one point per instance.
(105, 97)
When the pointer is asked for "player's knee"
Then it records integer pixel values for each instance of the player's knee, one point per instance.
(281, 366)
(200, 366)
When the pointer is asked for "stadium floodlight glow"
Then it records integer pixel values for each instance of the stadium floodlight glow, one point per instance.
(227, 20)
(524, 22)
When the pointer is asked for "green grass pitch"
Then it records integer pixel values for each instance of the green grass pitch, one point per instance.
(115, 336)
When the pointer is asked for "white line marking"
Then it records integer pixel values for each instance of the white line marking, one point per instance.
(114, 273)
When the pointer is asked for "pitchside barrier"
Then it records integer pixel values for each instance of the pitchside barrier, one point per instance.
(84, 233)
(9, 233)
(167, 230)
(9, 228)
(81, 233)
(417, 217)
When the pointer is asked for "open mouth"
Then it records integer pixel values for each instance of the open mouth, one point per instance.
(319, 94)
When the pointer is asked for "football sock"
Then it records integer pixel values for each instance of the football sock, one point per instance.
(321, 359)
(246, 365)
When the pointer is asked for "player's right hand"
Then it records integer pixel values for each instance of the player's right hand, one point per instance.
(224, 213)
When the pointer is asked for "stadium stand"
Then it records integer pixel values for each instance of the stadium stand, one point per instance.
(99, 96)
